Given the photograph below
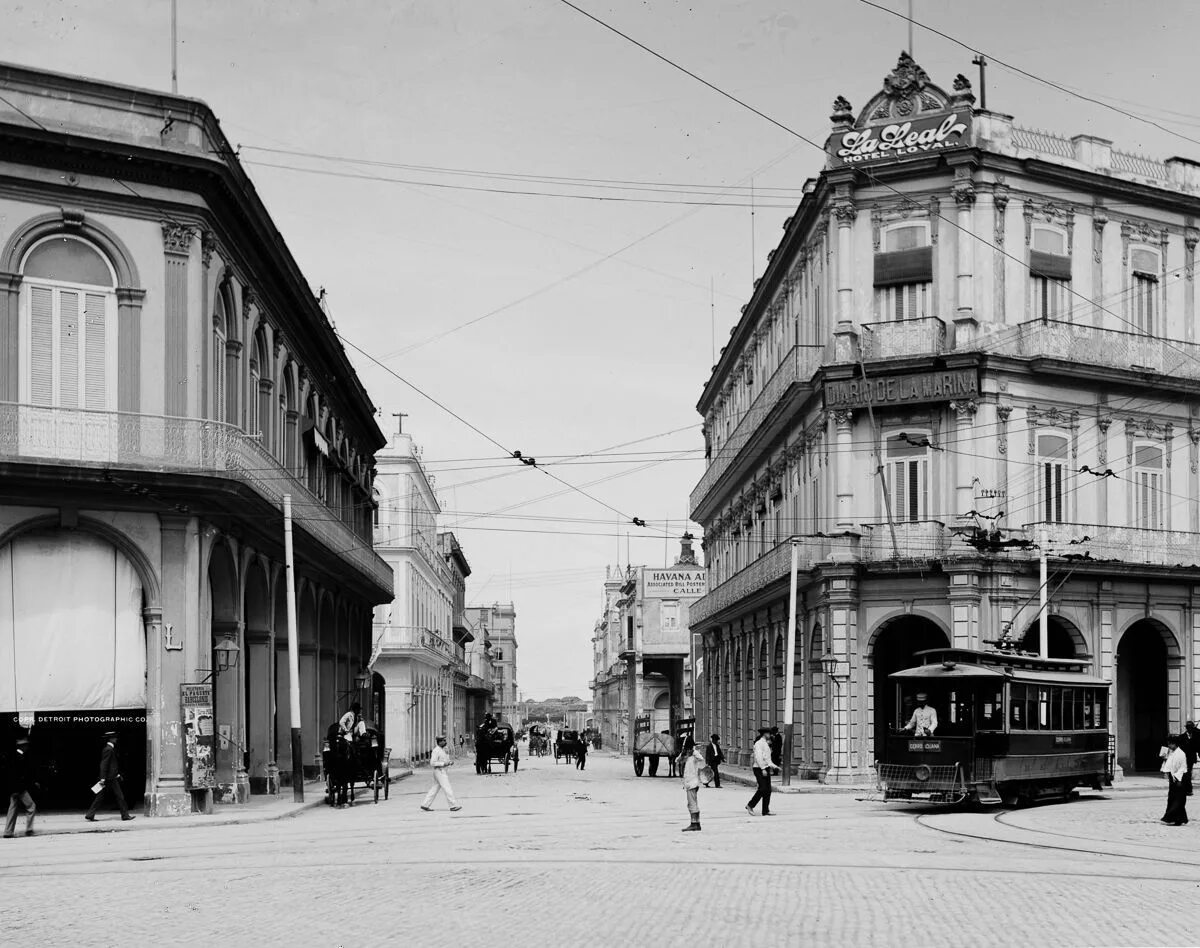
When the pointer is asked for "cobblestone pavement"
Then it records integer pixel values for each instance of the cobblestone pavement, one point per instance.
(553, 856)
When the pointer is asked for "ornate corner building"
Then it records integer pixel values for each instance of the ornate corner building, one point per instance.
(976, 343)
(166, 378)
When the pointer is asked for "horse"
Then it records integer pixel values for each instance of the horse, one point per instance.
(336, 761)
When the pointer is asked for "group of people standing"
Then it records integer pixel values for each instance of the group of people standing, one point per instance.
(702, 767)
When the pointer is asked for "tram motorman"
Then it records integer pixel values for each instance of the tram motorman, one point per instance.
(924, 720)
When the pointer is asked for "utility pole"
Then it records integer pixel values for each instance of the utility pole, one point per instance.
(1043, 632)
(789, 670)
(981, 62)
(293, 654)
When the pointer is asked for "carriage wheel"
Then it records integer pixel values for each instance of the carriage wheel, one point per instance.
(376, 781)
(638, 763)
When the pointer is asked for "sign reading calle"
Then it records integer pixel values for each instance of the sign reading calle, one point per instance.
(902, 389)
(901, 140)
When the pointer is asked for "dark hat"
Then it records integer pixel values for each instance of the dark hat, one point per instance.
(356, 706)
(1190, 724)
(764, 730)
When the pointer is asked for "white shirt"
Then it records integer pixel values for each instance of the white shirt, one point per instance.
(923, 721)
(1176, 763)
(440, 757)
(762, 753)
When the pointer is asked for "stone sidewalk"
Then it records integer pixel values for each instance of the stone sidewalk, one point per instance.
(259, 808)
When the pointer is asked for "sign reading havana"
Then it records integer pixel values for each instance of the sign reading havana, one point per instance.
(900, 140)
(902, 389)
(678, 583)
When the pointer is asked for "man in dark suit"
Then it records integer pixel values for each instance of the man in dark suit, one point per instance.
(20, 782)
(110, 779)
(714, 757)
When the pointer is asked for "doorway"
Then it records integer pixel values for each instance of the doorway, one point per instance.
(896, 644)
(1143, 714)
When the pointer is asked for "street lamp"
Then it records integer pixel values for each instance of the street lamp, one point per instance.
(225, 654)
(829, 665)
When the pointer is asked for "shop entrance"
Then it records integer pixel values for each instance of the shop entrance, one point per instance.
(64, 749)
(896, 645)
(1143, 716)
(72, 662)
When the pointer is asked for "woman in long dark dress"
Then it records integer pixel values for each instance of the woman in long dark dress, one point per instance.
(1175, 766)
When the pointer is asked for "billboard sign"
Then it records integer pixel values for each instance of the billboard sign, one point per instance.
(677, 583)
(919, 136)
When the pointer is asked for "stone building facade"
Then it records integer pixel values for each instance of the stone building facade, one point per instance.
(975, 344)
(167, 377)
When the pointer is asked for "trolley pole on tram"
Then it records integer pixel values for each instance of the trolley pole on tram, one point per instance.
(789, 673)
(293, 654)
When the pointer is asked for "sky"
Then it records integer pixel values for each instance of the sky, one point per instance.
(542, 234)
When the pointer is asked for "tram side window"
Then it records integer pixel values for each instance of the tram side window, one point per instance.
(1016, 706)
(991, 710)
(1056, 708)
(1043, 706)
(1075, 722)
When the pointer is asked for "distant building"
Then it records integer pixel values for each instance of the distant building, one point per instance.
(460, 569)
(417, 660)
(642, 646)
(498, 624)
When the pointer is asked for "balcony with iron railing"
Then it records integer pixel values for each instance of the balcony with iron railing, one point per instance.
(930, 541)
(796, 367)
(925, 336)
(1080, 343)
(413, 638)
(128, 441)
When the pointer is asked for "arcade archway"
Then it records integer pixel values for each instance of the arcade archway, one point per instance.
(895, 646)
(1063, 639)
(1143, 689)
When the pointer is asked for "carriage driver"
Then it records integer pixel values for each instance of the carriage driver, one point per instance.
(352, 724)
(924, 718)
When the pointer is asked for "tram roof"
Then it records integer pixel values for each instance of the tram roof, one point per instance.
(960, 670)
(1004, 659)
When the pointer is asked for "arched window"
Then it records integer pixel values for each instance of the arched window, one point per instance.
(1149, 488)
(68, 326)
(220, 334)
(1052, 475)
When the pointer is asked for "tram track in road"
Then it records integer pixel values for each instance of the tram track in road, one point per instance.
(1069, 843)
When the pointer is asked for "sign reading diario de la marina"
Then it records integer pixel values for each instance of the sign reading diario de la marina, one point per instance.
(900, 139)
(902, 389)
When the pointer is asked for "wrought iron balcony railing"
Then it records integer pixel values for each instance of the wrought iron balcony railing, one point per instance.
(414, 637)
(1073, 342)
(903, 337)
(125, 440)
(797, 366)
(1127, 545)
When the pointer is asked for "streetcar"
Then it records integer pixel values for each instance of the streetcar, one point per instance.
(1011, 728)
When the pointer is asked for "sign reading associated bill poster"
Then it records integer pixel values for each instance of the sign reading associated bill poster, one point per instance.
(679, 582)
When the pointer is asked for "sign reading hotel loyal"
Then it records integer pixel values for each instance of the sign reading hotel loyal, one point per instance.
(902, 389)
(901, 140)
(673, 583)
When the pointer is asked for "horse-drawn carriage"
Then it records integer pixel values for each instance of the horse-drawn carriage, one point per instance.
(567, 746)
(495, 742)
(356, 758)
(539, 740)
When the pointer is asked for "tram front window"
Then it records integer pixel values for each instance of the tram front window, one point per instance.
(952, 710)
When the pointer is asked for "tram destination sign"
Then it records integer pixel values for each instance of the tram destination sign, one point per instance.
(902, 389)
(924, 747)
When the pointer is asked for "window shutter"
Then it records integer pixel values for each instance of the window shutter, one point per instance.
(69, 331)
(1051, 265)
(41, 357)
(904, 266)
(218, 377)
(95, 388)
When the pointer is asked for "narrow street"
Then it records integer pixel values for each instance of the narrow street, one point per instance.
(553, 856)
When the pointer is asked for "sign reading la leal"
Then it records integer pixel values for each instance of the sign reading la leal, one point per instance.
(676, 583)
(901, 139)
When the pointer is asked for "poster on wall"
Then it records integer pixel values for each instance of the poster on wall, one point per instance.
(197, 706)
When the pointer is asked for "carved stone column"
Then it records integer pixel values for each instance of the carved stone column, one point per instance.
(1000, 265)
(964, 493)
(843, 480)
(846, 212)
(177, 249)
(964, 317)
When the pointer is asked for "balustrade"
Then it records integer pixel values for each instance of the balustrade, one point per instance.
(904, 337)
(124, 440)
